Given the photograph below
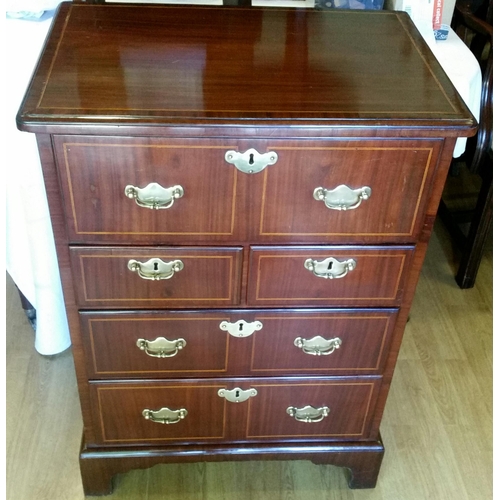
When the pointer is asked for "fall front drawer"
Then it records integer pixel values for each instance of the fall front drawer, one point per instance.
(270, 190)
(156, 277)
(257, 343)
(233, 410)
(351, 276)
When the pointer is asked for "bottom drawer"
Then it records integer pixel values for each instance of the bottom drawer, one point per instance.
(232, 410)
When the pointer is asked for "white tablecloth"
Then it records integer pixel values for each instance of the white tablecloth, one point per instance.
(30, 252)
(462, 69)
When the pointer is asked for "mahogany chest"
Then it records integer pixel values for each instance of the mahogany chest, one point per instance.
(241, 201)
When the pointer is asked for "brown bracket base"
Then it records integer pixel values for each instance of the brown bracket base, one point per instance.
(362, 459)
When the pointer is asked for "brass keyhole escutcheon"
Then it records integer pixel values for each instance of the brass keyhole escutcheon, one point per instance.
(240, 328)
(251, 161)
(330, 267)
(155, 269)
(237, 395)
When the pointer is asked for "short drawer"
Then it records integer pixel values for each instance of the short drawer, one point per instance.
(171, 344)
(303, 276)
(232, 410)
(123, 277)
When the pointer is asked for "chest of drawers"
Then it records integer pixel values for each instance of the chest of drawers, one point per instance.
(241, 201)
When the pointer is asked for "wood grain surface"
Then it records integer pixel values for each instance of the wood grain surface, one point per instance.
(110, 341)
(278, 276)
(184, 63)
(220, 203)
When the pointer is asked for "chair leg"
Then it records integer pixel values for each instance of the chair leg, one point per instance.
(476, 239)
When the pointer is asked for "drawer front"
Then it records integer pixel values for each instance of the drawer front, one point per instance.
(360, 276)
(155, 344)
(333, 342)
(313, 191)
(236, 343)
(96, 172)
(355, 191)
(196, 412)
(120, 277)
(233, 410)
(339, 409)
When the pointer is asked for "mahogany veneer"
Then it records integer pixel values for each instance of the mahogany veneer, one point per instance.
(110, 340)
(210, 277)
(377, 280)
(211, 418)
(219, 205)
(312, 300)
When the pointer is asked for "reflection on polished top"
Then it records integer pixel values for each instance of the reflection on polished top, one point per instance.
(171, 64)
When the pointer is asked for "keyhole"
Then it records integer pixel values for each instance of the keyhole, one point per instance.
(237, 394)
(251, 161)
(240, 328)
(155, 266)
(330, 265)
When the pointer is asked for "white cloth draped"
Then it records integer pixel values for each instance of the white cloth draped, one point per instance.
(30, 252)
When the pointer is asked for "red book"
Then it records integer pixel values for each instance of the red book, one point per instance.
(437, 14)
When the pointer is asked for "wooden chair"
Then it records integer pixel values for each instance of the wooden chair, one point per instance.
(477, 33)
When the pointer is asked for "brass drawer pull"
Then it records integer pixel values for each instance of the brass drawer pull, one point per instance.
(164, 415)
(330, 268)
(155, 269)
(318, 346)
(240, 328)
(154, 196)
(161, 347)
(342, 197)
(251, 161)
(237, 395)
(308, 414)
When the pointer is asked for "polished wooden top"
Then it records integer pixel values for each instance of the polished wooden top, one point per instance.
(131, 64)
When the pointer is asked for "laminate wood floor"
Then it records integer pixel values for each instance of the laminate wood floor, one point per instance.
(437, 426)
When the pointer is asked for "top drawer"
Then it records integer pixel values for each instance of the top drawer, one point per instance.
(348, 191)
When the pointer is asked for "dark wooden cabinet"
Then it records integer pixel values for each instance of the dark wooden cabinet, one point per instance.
(241, 202)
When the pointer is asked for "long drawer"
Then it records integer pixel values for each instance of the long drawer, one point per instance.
(316, 276)
(233, 410)
(156, 277)
(236, 343)
(129, 190)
